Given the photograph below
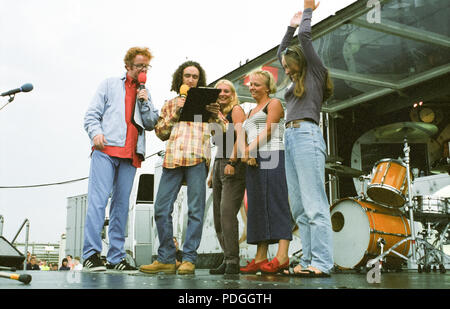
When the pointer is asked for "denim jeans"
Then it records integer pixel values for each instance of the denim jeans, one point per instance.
(169, 186)
(305, 153)
(108, 175)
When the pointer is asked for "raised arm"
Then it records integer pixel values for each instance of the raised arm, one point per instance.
(304, 35)
(293, 25)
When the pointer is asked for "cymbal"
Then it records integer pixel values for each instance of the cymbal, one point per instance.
(333, 159)
(342, 170)
(441, 166)
(401, 130)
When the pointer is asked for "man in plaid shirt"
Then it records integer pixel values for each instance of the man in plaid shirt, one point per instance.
(187, 159)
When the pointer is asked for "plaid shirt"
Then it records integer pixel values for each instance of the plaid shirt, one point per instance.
(188, 142)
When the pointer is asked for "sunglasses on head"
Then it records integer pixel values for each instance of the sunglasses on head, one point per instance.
(290, 50)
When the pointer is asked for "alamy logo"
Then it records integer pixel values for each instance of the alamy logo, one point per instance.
(73, 277)
(374, 274)
(374, 15)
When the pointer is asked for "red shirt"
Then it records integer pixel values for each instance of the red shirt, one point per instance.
(129, 150)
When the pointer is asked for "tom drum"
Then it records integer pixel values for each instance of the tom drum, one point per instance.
(388, 184)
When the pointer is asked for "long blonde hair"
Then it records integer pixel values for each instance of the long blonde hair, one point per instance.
(234, 101)
(294, 57)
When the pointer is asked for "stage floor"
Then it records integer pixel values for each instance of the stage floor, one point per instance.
(406, 279)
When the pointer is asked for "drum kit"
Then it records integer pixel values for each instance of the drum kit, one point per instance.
(379, 227)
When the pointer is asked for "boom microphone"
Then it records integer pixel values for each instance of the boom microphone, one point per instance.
(24, 88)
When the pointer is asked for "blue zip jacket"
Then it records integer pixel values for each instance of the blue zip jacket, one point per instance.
(106, 115)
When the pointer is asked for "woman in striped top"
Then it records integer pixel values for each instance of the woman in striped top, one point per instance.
(269, 218)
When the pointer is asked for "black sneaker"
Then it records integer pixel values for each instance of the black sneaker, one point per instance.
(123, 266)
(94, 263)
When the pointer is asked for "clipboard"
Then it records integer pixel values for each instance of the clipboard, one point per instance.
(196, 101)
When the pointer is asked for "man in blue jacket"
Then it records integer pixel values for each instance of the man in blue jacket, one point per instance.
(115, 121)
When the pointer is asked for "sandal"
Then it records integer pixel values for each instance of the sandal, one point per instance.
(312, 273)
(287, 272)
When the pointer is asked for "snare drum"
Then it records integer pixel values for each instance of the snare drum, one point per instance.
(389, 185)
(430, 208)
(358, 225)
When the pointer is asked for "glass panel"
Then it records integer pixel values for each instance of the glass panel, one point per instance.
(344, 90)
(277, 71)
(381, 55)
(429, 15)
(374, 54)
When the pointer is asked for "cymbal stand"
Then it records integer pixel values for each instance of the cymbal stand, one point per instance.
(409, 206)
(363, 179)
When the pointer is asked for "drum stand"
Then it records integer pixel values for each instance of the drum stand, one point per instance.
(431, 255)
(428, 249)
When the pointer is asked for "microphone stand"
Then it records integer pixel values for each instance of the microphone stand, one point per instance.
(11, 98)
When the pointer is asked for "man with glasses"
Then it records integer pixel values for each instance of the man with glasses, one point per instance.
(115, 121)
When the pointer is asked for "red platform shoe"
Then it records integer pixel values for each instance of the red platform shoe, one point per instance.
(252, 267)
(274, 267)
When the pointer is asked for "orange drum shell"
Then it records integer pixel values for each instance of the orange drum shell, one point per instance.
(391, 190)
(390, 221)
(384, 220)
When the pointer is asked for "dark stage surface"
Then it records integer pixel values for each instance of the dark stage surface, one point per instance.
(406, 279)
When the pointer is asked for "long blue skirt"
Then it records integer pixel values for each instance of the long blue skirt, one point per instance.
(269, 214)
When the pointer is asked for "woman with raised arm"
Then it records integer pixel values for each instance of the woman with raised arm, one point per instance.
(305, 147)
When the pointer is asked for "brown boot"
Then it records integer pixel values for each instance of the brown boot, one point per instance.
(186, 268)
(157, 267)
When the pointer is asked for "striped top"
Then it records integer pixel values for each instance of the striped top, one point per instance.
(257, 123)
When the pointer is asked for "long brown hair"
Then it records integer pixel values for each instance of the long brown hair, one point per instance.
(177, 77)
(294, 57)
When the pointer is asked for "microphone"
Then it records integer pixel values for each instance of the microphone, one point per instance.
(183, 93)
(24, 88)
(142, 79)
(184, 90)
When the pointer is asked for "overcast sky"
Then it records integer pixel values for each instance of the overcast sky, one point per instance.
(65, 48)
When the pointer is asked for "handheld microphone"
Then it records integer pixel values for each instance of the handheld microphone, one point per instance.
(24, 88)
(142, 79)
(184, 90)
(183, 93)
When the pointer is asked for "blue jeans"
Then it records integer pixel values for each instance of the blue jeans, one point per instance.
(305, 153)
(169, 186)
(108, 175)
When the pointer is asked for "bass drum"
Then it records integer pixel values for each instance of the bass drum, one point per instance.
(358, 225)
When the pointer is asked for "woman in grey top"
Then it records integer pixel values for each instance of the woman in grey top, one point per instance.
(305, 148)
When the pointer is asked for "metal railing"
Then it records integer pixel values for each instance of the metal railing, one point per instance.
(27, 234)
(2, 220)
